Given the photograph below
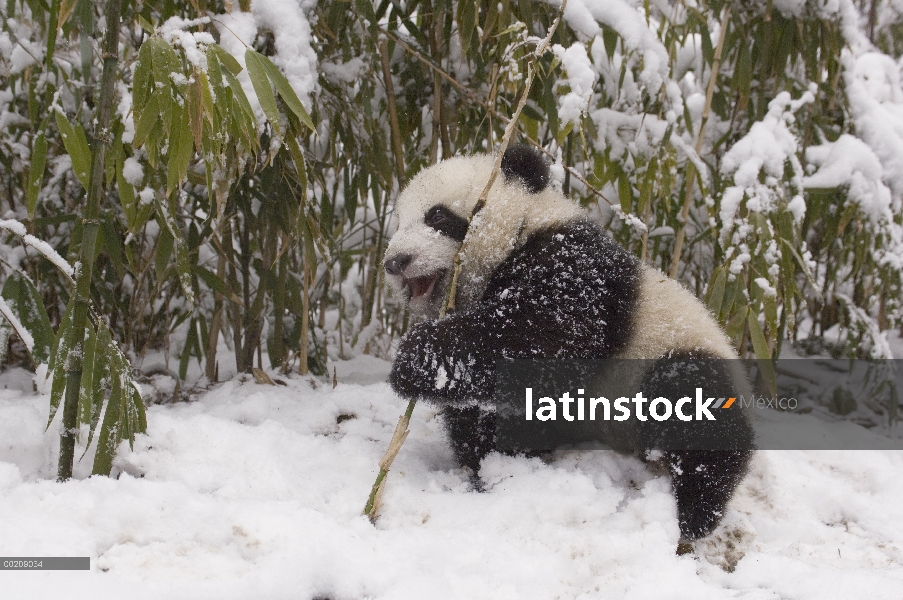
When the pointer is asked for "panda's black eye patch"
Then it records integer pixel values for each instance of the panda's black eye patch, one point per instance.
(443, 220)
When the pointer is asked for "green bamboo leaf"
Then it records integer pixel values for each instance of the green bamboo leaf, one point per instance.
(112, 242)
(100, 378)
(735, 323)
(195, 106)
(36, 172)
(145, 25)
(625, 192)
(286, 92)
(610, 39)
(757, 336)
(715, 295)
(20, 291)
(191, 344)
(217, 284)
(769, 303)
(110, 431)
(183, 266)
(148, 123)
(731, 291)
(208, 106)
(138, 401)
(763, 354)
(85, 399)
(248, 123)
(803, 266)
(126, 199)
(224, 58)
(165, 246)
(56, 367)
(76, 144)
(467, 22)
(181, 149)
(257, 70)
(705, 37)
(142, 81)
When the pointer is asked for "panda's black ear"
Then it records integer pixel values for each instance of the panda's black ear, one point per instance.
(527, 165)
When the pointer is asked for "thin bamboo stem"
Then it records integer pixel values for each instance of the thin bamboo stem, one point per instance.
(690, 177)
(393, 113)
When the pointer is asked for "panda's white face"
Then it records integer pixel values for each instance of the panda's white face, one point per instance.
(433, 213)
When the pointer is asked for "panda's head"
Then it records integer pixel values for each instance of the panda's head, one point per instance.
(433, 213)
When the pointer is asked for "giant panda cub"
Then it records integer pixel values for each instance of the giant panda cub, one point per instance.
(540, 280)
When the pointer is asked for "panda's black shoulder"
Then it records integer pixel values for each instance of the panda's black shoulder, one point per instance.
(528, 166)
(576, 253)
(574, 275)
(581, 243)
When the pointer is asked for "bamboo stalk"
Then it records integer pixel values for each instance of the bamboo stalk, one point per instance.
(401, 429)
(91, 225)
(700, 137)
(393, 113)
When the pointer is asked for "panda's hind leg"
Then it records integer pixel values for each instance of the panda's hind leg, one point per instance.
(706, 459)
(471, 432)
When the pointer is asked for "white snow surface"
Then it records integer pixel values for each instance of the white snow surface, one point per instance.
(255, 491)
(580, 78)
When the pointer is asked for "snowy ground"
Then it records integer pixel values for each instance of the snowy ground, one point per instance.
(255, 491)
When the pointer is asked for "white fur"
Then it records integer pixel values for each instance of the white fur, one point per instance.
(670, 318)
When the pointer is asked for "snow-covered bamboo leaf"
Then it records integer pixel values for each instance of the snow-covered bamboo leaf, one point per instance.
(100, 379)
(183, 266)
(76, 144)
(85, 399)
(36, 171)
(257, 70)
(757, 336)
(26, 300)
(110, 431)
(286, 92)
(56, 368)
(12, 320)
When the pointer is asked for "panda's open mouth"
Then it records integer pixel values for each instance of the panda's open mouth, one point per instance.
(421, 286)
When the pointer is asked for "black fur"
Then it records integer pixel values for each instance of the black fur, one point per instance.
(706, 459)
(443, 220)
(527, 165)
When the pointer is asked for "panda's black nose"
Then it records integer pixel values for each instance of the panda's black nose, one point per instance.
(397, 264)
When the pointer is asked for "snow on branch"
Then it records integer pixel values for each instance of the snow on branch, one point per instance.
(41, 246)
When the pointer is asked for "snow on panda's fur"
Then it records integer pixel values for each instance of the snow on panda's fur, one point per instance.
(539, 280)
